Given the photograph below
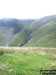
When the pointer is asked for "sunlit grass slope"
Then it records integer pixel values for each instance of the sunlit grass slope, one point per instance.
(44, 35)
(18, 39)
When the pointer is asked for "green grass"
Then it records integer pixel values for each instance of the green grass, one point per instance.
(24, 63)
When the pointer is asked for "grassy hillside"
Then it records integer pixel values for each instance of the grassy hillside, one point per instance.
(35, 33)
(10, 29)
(26, 62)
(44, 34)
(18, 40)
(14, 32)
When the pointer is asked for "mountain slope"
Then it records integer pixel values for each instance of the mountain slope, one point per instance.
(13, 32)
(35, 33)
(45, 34)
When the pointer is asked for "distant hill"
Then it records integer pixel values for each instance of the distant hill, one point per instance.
(31, 33)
